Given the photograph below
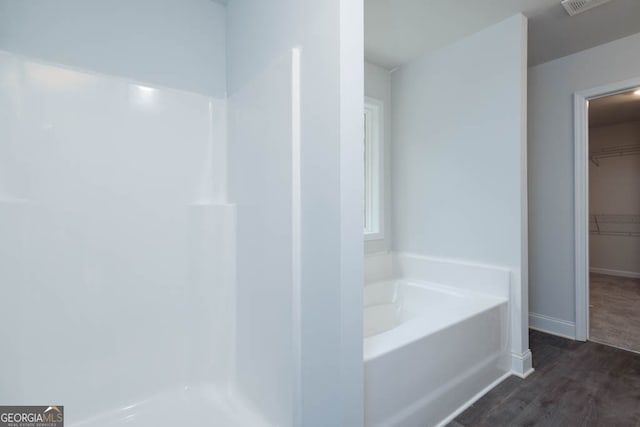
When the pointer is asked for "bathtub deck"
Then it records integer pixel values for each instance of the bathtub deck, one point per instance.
(190, 406)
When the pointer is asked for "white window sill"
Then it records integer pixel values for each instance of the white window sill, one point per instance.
(373, 236)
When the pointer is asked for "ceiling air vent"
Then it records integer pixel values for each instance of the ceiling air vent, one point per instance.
(574, 7)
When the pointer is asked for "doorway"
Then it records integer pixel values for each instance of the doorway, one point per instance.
(608, 215)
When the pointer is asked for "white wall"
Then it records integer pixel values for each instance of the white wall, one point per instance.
(458, 147)
(310, 292)
(377, 85)
(173, 43)
(614, 189)
(551, 172)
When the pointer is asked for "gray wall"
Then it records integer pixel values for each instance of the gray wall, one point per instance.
(551, 205)
(173, 43)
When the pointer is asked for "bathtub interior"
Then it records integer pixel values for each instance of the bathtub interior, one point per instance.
(389, 304)
(404, 310)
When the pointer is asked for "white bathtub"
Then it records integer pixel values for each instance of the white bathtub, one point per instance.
(429, 351)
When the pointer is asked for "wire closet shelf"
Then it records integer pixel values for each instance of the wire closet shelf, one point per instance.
(609, 152)
(615, 225)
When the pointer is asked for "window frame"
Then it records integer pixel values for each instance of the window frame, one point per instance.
(374, 169)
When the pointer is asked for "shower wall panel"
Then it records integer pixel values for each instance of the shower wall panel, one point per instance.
(99, 177)
(261, 183)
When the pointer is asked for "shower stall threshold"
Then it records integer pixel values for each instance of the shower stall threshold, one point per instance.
(202, 405)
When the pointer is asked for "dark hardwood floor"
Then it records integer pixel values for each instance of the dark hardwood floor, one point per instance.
(574, 384)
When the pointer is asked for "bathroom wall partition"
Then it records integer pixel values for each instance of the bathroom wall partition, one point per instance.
(295, 89)
(265, 139)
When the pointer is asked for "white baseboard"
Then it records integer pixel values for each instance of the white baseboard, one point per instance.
(620, 273)
(522, 364)
(473, 400)
(552, 325)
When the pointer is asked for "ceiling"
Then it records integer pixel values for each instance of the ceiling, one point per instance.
(614, 109)
(397, 31)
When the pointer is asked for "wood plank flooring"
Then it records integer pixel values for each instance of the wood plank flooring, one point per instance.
(614, 311)
(574, 384)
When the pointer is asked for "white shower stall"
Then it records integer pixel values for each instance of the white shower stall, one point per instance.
(176, 256)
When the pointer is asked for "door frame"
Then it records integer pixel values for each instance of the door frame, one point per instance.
(581, 193)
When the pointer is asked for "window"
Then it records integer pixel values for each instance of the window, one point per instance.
(373, 161)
